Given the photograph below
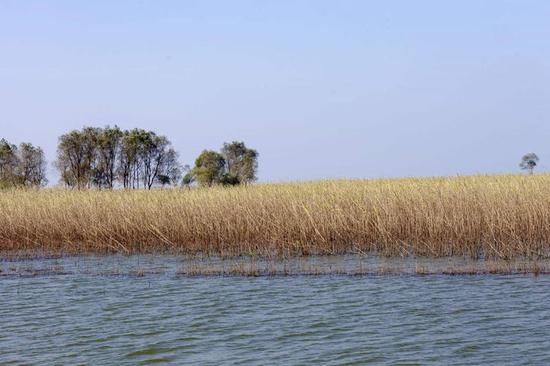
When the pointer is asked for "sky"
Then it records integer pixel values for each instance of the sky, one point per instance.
(322, 89)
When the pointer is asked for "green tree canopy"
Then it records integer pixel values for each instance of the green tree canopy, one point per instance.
(235, 164)
(209, 168)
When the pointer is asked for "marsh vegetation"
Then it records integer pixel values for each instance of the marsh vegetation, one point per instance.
(501, 217)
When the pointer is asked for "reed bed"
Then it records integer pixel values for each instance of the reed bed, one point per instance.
(501, 217)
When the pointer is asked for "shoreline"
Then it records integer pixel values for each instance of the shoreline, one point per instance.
(177, 266)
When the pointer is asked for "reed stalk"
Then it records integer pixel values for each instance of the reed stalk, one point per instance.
(502, 217)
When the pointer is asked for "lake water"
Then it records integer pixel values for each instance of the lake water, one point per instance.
(86, 311)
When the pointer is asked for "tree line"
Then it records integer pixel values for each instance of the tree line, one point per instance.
(104, 157)
(110, 157)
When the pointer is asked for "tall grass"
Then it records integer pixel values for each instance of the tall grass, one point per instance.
(478, 216)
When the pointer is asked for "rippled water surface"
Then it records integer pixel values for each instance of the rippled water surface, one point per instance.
(82, 317)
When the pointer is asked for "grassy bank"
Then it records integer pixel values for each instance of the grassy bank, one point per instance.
(491, 216)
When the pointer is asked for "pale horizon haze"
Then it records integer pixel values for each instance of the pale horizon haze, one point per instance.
(322, 89)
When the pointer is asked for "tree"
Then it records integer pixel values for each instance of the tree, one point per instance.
(170, 170)
(529, 162)
(233, 154)
(145, 158)
(21, 166)
(188, 177)
(9, 163)
(249, 167)
(236, 164)
(241, 162)
(129, 162)
(166, 170)
(76, 156)
(209, 168)
(171, 167)
(157, 158)
(100, 157)
(152, 153)
(32, 165)
(108, 150)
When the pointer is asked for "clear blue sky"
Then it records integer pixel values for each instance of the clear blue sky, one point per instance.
(321, 88)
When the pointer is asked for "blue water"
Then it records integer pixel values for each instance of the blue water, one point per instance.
(100, 318)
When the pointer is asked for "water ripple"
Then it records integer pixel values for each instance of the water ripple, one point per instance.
(333, 320)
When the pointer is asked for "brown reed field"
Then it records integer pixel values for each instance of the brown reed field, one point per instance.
(502, 217)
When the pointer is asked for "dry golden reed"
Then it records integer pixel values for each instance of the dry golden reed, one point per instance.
(479, 216)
